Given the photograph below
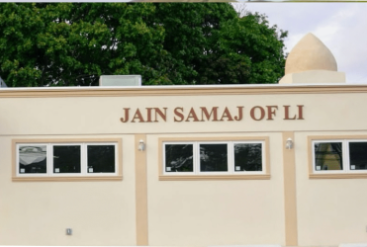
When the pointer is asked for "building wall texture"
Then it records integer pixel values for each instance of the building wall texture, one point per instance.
(287, 208)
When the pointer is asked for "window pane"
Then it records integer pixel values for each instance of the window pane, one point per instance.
(66, 159)
(358, 155)
(213, 157)
(248, 157)
(32, 159)
(101, 158)
(179, 157)
(328, 156)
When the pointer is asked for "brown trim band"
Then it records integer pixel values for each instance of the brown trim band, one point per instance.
(290, 203)
(114, 177)
(182, 91)
(141, 193)
(338, 176)
(213, 177)
(265, 176)
(66, 179)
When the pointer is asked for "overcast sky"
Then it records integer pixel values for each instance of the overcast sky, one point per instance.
(342, 27)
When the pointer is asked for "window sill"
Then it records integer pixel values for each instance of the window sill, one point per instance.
(338, 176)
(213, 177)
(66, 178)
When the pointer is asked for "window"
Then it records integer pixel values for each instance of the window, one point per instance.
(179, 157)
(66, 159)
(205, 158)
(32, 159)
(339, 156)
(101, 158)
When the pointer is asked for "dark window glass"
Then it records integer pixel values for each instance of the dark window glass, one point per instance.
(248, 157)
(32, 159)
(328, 156)
(358, 155)
(179, 157)
(213, 157)
(101, 158)
(66, 159)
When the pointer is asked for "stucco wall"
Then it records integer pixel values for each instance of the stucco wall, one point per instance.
(101, 115)
(330, 211)
(38, 213)
(186, 213)
(229, 212)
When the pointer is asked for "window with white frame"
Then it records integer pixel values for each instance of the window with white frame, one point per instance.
(55, 159)
(231, 157)
(339, 156)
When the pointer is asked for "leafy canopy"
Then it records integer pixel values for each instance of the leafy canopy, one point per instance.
(70, 44)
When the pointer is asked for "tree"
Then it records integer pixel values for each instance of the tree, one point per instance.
(69, 44)
(253, 51)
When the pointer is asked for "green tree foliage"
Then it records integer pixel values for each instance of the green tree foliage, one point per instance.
(249, 51)
(69, 44)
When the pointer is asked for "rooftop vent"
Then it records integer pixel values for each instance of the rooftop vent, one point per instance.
(119, 80)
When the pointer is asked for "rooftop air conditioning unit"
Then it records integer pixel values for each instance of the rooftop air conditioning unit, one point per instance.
(2, 83)
(119, 80)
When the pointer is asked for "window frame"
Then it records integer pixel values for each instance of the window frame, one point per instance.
(202, 175)
(197, 160)
(50, 164)
(50, 175)
(346, 172)
(314, 156)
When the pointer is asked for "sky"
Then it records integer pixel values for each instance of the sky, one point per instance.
(342, 27)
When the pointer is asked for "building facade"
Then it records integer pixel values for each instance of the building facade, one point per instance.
(184, 165)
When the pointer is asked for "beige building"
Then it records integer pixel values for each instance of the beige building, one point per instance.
(281, 164)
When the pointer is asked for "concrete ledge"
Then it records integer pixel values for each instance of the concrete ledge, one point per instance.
(353, 245)
(314, 77)
(253, 245)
